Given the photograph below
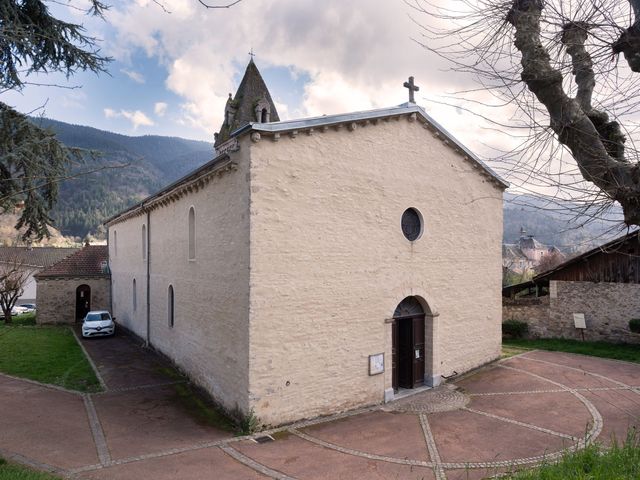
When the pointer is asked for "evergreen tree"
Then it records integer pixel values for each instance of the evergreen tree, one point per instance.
(32, 161)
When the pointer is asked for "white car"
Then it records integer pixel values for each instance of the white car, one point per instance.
(29, 307)
(98, 324)
(16, 310)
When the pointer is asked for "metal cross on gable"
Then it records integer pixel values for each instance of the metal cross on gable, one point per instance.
(412, 89)
(251, 54)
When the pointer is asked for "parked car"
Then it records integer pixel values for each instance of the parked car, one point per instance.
(98, 324)
(29, 307)
(18, 310)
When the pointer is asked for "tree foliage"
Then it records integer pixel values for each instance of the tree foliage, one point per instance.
(552, 64)
(32, 161)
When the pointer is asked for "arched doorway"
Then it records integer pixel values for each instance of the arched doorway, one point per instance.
(83, 301)
(408, 347)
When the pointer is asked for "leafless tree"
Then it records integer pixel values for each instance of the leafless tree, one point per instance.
(549, 262)
(13, 278)
(572, 105)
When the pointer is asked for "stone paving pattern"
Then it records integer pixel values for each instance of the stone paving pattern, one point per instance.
(513, 413)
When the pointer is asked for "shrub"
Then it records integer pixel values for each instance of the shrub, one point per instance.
(246, 424)
(514, 328)
(634, 325)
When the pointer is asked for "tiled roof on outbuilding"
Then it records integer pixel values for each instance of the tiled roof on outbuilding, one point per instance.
(36, 257)
(90, 261)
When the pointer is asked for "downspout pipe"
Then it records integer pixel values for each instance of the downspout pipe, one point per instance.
(148, 339)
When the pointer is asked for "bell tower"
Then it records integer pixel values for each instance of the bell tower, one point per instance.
(252, 103)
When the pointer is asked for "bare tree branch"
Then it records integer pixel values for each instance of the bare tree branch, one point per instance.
(617, 178)
(206, 5)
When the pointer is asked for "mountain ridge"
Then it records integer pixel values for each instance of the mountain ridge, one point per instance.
(127, 169)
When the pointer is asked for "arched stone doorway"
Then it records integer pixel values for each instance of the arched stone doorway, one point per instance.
(408, 344)
(83, 301)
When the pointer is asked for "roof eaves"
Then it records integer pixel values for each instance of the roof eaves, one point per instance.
(590, 253)
(329, 120)
(212, 165)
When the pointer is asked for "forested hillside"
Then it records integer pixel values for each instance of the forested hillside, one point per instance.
(126, 170)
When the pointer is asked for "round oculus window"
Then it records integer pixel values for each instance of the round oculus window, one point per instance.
(411, 224)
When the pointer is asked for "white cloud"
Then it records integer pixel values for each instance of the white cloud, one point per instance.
(135, 76)
(160, 108)
(357, 55)
(137, 118)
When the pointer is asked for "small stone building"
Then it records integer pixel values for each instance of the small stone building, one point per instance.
(315, 265)
(67, 290)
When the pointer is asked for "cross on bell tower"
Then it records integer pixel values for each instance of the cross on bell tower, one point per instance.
(412, 88)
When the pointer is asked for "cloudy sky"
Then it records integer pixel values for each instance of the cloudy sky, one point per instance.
(173, 69)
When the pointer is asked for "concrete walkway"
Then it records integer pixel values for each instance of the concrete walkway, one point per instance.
(516, 412)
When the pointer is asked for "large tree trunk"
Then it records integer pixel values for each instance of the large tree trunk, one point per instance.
(595, 143)
(7, 316)
(629, 41)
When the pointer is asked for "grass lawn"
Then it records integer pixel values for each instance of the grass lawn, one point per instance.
(48, 354)
(630, 353)
(592, 463)
(12, 471)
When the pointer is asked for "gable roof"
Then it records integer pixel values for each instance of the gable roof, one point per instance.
(36, 257)
(251, 91)
(325, 121)
(223, 161)
(90, 261)
(609, 247)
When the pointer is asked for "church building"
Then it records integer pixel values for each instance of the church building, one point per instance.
(319, 264)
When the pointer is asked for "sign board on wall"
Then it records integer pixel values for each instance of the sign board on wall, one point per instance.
(579, 321)
(376, 364)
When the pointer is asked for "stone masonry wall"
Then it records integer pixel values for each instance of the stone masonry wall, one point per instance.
(329, 263)
(607, 308)
(57, 297)
(209, 339)
(533, 311)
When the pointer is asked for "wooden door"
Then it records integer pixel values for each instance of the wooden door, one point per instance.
(418, 351)
(83, 301)
(405, 353)
(394, 356)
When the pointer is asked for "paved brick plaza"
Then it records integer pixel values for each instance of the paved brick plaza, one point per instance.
(515, 412)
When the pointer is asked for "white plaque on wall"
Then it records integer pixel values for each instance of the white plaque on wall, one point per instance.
(376, 364)
(579, 321)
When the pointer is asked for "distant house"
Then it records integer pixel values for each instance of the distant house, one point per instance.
(70, 288)
(602, 284)
(33, 260)
(523, 257)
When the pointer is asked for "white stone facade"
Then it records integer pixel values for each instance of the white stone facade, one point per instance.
(301, 262)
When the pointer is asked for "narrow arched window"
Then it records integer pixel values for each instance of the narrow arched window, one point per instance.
(144, 242)
(115, 242)
(135, 296)
(170, 306)
(264, 116)
(192, 233)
